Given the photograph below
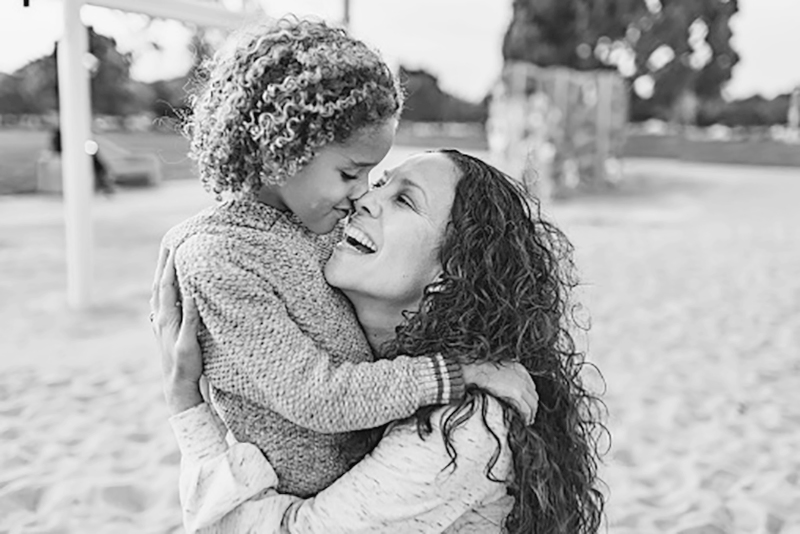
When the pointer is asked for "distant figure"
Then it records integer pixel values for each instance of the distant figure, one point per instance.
(102, 181)
(684, 112)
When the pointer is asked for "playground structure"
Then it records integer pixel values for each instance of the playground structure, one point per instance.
(75, 121)
(557, 129)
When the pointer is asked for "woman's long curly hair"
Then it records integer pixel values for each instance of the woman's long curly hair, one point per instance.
(504, 296)
(276, 94)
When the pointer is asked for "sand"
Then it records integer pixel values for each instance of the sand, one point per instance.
(690, 280)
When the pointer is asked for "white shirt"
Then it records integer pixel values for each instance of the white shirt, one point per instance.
(403, 486)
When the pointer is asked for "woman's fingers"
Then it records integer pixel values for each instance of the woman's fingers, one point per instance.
(169, 313)
(190, 322)
(204, 389)
(189, 358)
(168, 292)
(163, 254)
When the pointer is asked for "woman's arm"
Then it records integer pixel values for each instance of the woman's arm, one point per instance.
(215, 478)
(400, 486)
(404, 485)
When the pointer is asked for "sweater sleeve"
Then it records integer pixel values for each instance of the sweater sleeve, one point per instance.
(255, 349)
(405, 485)
(215, 477)
(408, 484)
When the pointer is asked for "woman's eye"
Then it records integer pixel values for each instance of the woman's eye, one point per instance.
(347, 177)
(402, 199)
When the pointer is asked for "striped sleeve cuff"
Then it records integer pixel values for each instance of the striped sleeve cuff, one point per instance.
(443, 380)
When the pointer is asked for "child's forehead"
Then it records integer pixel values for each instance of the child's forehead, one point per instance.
(366, 149)
(350, 156)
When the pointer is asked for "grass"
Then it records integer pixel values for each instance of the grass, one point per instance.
(763, 152)
(19, 150)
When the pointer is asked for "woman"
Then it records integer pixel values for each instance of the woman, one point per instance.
(455, 263)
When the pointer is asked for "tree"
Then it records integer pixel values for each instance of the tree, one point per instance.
(426, 102)
(33, 88)
(679, 45)
(567, 32)
(696, 36)
(752, 111)
(111, 80)
(11, 100)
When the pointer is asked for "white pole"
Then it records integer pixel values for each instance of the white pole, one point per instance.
(78, 173)
(200, 13)
(346, 14)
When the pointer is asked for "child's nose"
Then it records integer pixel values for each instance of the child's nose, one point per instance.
(359, 188)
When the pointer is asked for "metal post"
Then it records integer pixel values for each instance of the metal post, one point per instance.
(75, 122)
(603, 117)
(346, 16)
(78, 174)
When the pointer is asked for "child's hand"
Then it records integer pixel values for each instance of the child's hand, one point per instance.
(175, 325)
(510, 381)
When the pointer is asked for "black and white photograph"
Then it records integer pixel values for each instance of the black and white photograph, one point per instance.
(399, 266)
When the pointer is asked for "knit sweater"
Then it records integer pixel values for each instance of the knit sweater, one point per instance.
(406, 485)
(288, 364)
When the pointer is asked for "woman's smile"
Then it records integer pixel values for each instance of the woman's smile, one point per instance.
(358, 240)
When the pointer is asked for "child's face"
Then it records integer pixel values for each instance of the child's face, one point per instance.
(322, 192)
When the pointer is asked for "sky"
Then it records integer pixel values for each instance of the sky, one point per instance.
(459, 41)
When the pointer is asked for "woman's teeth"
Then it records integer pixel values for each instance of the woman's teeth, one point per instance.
(359, 240)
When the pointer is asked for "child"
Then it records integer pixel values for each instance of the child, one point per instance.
(289, 124)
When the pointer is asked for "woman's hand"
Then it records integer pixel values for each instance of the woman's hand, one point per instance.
(175, 325)
(510, 381)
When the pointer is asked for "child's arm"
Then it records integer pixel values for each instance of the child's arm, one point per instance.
(259, 352)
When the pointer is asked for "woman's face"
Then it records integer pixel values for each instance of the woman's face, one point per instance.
(390, 249)
(319, 194)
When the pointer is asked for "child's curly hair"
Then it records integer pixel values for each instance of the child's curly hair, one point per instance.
(273, 96)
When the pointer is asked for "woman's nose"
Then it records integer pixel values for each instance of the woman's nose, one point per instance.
(368, 204)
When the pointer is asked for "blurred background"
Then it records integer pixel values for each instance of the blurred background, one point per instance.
(663, 136)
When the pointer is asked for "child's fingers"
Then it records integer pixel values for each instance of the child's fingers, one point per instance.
(532, 401)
